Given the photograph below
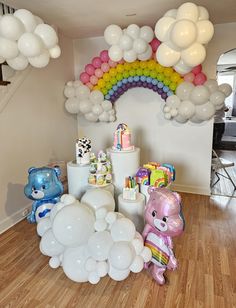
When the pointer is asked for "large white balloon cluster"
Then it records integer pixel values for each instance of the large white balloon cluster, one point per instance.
(130, 44)
(90, 240)
(91, 104)
(183, 32)
(196, 103)
(24, 39)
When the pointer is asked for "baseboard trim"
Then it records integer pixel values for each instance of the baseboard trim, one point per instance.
(199, 190)
(10, 221)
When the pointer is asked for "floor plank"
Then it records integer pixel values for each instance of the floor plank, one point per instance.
(206, 276)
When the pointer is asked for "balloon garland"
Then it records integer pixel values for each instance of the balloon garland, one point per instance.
(169, 64)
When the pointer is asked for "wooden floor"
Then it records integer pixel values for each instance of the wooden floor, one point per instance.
(224, 187)
(206, 276)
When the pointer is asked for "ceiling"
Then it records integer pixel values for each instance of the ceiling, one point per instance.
(89, 18)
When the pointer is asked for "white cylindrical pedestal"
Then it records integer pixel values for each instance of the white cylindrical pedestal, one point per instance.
(124, 164)
(134, 210)
(144, 191)
(77, 179)
(108, 187)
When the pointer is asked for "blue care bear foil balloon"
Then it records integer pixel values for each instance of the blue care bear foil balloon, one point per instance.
(45, 188)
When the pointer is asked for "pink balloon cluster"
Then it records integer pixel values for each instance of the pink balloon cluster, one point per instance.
(96, 69)
(196, 76)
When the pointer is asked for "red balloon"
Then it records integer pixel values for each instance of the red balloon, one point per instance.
(197, 69)
(84, 77)
(155, 43)
(200, 79)
(104, 56)
(89, 69)
(97, 62)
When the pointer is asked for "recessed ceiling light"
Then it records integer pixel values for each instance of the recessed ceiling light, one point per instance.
(129, 15)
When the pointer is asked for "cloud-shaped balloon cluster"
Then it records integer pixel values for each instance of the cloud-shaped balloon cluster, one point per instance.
(183, 32)
(89, 240)
(196, 103)
(91, 104)
(130, 44)
(24, 39)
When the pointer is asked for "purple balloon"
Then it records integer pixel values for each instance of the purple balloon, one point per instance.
(145, 84)
(164, 95)
(119, 90)
(133, 84)
(155, 88)
(159, 91)
(150, 85)
(124, 87)
(139, 83)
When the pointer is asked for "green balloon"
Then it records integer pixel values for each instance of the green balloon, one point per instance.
(119, 76)
(113, 80)
(126, 74)
(153, 74)
(166, 81)
(160, 77)
(146, 72)
(108, 85)
(132, 73)
(139, 72)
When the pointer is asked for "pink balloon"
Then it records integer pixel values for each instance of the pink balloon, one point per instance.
(189, 77)
(97, 62)
(105, 67)
(84, 77)
(104, 56)
(93, 80)
(197, 69)
(89, 85)
(98, 72)
(89, 69)
(122, 61)
(155, 43)
(200, 79)
(112, 63)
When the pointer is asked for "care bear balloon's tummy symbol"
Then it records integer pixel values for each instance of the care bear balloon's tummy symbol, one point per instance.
(45, 188)
(164, 220)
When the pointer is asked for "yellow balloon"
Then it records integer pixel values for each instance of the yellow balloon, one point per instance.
(159, 68)
(151, 64)
(106, 77)
(143, 64)
(127, 66)
(96, 88)
(112, 72)
(180, 81)
(119, 68)
(168, 71)
(101, 83)
(175, 77)
(135, 64)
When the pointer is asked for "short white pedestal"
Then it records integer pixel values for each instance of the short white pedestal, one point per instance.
(134, 210)
(108, 187)
(77, 179)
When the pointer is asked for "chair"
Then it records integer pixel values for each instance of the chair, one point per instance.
(220, 164)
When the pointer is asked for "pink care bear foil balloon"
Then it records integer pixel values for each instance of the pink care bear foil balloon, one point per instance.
(164, 220)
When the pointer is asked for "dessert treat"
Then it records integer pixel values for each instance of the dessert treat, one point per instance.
(100, 170)
(131, 189)
(83, 149)
(122, 138)
(143, 176)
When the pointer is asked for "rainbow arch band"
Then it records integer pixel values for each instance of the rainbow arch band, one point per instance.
(123, 76)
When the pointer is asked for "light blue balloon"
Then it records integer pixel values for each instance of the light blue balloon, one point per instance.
(143, 78)
(160, 85)
(165, 89)
(107, 97)
(154, 82)
(169, 93)
(136, 78)
(111, 92)
(130, 79)
(149, 79)
(125, 80)
(115, 88)
(119, 84)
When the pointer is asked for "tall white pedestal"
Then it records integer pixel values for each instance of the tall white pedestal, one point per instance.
(77, 179)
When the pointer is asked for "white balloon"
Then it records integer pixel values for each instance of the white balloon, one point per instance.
(97, 198)
(27, 18)
(217, 98)
(96, 97)
(166, 56)
(112, 34)
(2, 60)
(73, 263)
(91, 117)
(146, 254)
(72, 105)
(97, 109)
(195, 119)
(162, 28)
(85, 106)
(189, 11)
(193, 55)
(43, 225)
(182, 68)
(181, 119)
(102, 268)
(112, 118)
(38, 20)
(90, 264)
(167, 116)
(11, 27)
(184, 90)
(130, 55)
(47, 34)
(174, 112)
(82, 92)
(40, 61)
(200, 95)
(8, 49)
(93, 278)
(18, 63)
(133, 31)
(146, 55)
(183, 33)
(137, 264)
(99, 245)
(140, 45)
(69, 91)
(30, 45)
(205, 112)
(212, 85)
(107, 106)
(67, 199)
(123, 230)
(125, 42)
(203, 13)
(172, 101)
(116, 274)
(137, 243)
(115, 53)
(54, 262)
(73, 224)
(101, 213)
(146, 33)
(55, 52)
(121, 255)
(77, 83)
(111, 112)
(49, 245)
(100, 225)
(205, 30)
(186, 109)
(225, 88)
(111, 218)
(104, 117)
(171, 13)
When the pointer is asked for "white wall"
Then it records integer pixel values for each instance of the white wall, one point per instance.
(34, 129)
(187, 146)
